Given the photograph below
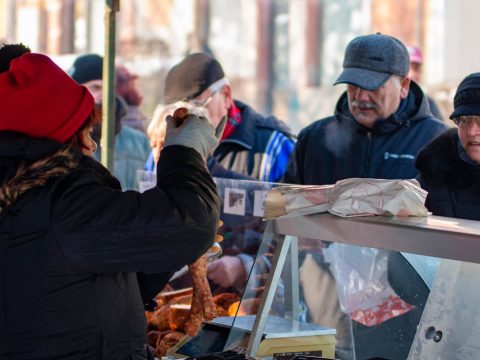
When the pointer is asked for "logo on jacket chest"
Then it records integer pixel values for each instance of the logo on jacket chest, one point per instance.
(388, 155)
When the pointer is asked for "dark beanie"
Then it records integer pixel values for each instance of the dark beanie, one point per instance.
(40, 100)
(192, 76)
(87, 68)
(467, 97)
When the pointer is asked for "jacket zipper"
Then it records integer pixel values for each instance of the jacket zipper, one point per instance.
(367, 155)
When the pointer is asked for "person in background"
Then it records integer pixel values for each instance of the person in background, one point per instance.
(252, 144)
(380, 124)
(156, 134)
(230, 271)
(449, 166)
(131, 146)
(71, 240)
(253, 147)
(127, 87)
(415, 73)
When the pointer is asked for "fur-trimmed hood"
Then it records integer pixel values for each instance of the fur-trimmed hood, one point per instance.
(439, 162)
(27, 163)
(36, 174)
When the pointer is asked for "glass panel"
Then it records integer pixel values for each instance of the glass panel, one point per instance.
(334, 300)
(242, 206)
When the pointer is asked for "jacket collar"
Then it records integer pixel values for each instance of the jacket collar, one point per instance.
(244, 134)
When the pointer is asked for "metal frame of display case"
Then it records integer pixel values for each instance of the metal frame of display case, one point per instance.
(450, 325)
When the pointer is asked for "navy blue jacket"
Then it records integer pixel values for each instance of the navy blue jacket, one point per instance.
(260, 147)
(453, 184)
(338, 147)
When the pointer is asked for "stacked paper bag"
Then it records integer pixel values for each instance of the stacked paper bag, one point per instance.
(348, 198)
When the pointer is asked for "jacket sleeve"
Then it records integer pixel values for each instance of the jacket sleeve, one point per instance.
(281, 153)
(100, 229)
(294, 172)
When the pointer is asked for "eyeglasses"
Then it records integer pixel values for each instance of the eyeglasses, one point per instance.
(464, 122)
(202, 103)
(214, 88)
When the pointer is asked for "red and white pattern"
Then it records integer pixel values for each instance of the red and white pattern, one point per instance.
(390, 308)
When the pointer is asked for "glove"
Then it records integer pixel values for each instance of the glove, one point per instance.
(196, 133)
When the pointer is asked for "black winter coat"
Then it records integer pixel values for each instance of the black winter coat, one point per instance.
(71, 242)
(453, 184)
(338, 147)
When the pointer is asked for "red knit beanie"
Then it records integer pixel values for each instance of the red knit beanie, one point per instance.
(39, 99)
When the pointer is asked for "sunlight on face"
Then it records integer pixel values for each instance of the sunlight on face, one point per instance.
(368, 106)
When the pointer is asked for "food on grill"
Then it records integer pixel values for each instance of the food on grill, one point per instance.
(152, 337)
(165, 297)
(224, 300)
(167, 341)
(182, 311)
(178, 314)
(158, 320)
(203, 306)
(247, 307)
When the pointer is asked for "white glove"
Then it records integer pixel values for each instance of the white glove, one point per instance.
(195, 132)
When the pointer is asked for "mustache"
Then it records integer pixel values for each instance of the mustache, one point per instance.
(363, 105)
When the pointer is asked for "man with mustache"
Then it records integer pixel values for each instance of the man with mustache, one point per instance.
(380, 124)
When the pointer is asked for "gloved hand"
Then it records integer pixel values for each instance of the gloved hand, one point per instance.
(196, 133)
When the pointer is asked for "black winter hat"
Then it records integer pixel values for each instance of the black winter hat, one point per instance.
(86, 68)
(467, 97)
(192, 76)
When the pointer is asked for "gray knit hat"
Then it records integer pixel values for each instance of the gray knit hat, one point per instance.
(371, 59)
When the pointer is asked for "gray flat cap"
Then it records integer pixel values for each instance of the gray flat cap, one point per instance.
(371, 59)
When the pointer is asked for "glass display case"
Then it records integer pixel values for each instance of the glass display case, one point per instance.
(347, 288)
(390, 287)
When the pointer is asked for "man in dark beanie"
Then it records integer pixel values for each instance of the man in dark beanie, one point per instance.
(380, 123)
(449, 166)
(131, 146)
(87, 68)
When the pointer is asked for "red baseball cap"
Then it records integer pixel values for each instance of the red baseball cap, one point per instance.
(39, 99)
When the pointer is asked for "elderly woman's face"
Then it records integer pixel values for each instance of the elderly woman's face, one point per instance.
(469, 134)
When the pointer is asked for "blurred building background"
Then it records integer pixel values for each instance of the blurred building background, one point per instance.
(280, 55)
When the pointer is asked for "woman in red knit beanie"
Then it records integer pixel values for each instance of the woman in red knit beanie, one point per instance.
(71, 242)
